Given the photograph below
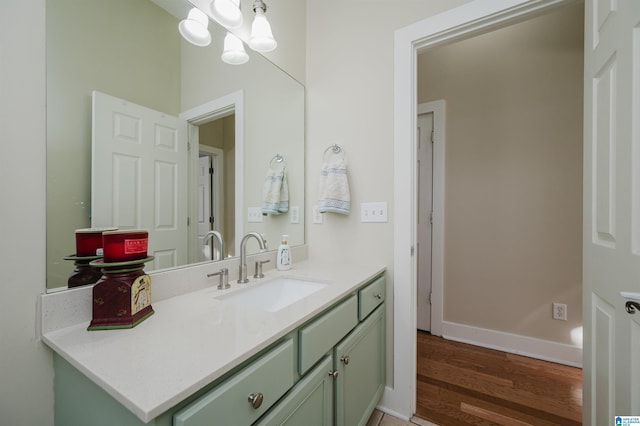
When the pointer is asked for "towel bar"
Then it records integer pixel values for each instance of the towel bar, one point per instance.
(278, 159)
(335, 149)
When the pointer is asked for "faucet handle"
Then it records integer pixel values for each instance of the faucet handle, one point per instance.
(258, 273)
(224, 278)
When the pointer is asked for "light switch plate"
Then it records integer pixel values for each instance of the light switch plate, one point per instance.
(373, 212)
(317, 216)
(254, 215)
(294, 214)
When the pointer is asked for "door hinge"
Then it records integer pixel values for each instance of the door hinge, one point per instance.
(412, 250)
(210, 219)
(188, 221)
(210, 170)
(188, 146)
(431, 217)
(430, 294)
(432, 136)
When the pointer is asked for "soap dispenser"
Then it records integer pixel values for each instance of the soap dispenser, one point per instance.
(283, 261)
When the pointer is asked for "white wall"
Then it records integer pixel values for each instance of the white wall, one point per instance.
(350, 53)
(26, 373)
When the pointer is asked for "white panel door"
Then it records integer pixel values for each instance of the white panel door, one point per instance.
(424, 169)
(139, 175)
(611, 210)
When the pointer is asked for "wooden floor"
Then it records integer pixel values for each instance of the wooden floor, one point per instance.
(460, 384)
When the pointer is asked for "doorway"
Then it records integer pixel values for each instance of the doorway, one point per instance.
(459, 23)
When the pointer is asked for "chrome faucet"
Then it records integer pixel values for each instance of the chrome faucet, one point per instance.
(242, 270)
(218, 236)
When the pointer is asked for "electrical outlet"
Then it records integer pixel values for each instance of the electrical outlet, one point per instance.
(254, 214)
(294, 214)
(560, 311)
(317, 216)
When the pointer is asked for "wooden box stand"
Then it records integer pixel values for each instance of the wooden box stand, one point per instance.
(121, 298)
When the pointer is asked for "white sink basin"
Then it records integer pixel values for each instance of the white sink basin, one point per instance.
(275, 294)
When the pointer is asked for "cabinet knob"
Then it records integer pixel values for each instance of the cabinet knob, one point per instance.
(255, 400)
(378, 296)
(334, 374)
(345, 359)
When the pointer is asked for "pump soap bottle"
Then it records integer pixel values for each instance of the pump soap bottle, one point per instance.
(283, 261)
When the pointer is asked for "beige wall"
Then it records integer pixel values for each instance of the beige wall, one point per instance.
(513, 210)
(26, 372)
(75, 67)
(350, 59)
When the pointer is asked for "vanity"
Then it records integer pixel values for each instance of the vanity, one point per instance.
(211, 356)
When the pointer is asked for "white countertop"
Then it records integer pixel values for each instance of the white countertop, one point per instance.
(193, 339)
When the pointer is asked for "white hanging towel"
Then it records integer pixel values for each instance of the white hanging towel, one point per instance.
(275, 192)
(334, 187)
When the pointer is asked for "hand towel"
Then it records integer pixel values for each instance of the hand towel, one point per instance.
(275, 192)
(334, 187)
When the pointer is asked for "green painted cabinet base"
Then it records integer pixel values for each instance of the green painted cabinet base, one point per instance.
(309, 403)
(346, 397)
(360, 362)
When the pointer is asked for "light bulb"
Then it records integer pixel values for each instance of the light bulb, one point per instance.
(234, 52)
(194, 28)
(227, 13)
(261, 36)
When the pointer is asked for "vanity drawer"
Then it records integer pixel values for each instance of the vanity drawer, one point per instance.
(317, 338)
(271, 376)
(370, 297)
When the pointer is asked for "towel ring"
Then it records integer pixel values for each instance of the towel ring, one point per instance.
(278, 159)
(335, 149)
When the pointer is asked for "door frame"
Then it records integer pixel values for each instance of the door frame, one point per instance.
(465, 21)
(438, 109)
(223, 106)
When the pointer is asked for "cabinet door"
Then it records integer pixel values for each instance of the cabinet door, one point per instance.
(360, 362)
(309, 403)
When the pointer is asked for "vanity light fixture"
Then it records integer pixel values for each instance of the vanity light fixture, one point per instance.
(194, 29)
(234, 52)
(227, 13)
(261, 36)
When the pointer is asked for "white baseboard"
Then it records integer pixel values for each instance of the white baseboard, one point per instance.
(513, 343)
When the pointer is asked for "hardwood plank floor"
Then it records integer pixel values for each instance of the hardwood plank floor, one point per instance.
(460, 384)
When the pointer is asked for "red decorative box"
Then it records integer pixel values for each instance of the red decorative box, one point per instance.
(89, 241)
(125, 245)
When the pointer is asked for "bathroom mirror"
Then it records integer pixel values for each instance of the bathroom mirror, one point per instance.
(131, 50)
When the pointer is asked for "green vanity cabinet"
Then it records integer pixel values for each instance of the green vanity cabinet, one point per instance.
(345, 386)
(328, 371)
(359, 361)
(245, 396)
(310, 402)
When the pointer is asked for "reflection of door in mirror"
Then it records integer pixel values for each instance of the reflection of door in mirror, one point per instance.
(140, 175)
(216, 196)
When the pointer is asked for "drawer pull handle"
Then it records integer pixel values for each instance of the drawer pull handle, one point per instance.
(378, 296)
(255, 399)
(345, 359)
(334, 374)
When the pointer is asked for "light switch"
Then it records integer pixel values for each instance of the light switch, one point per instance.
(255, 215)
(373, 212)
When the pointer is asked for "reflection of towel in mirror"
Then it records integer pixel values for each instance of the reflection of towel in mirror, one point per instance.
(275, 192)
(334, 188)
